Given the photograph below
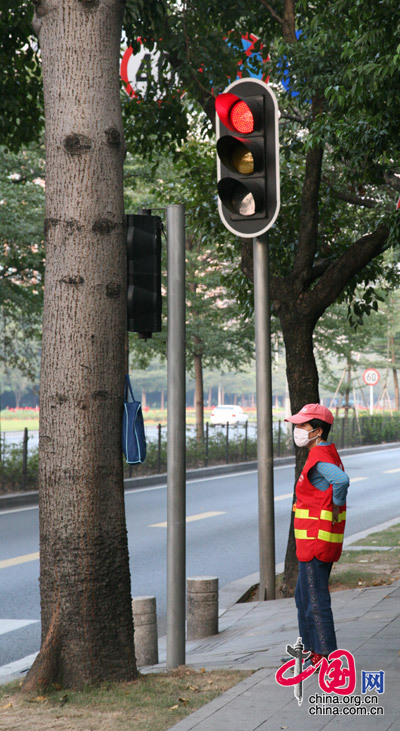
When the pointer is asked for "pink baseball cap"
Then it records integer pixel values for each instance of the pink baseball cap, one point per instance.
(312, 411)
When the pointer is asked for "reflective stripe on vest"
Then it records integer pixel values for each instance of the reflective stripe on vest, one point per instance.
(304, 513)
(302, 534)
(327, 515)
(323, 535)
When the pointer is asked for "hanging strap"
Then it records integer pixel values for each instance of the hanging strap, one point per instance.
(128, 387)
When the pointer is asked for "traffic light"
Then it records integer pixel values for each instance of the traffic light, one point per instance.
(247, 157)
(144, 273)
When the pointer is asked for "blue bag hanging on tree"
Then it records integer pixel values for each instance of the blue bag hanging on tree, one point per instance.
(133, 436)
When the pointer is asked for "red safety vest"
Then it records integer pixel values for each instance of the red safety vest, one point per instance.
(316, 536)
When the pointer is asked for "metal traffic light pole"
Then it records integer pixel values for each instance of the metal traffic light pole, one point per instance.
(266, 520)
(247, 131)
(176, 464)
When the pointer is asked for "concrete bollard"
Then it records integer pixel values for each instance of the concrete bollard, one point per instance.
(202, 607)
(145, 627)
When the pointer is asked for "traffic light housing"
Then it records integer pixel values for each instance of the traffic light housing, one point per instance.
(144, 273)
(247, 157)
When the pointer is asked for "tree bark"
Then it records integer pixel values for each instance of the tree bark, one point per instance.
(302, 377)
(87, 629)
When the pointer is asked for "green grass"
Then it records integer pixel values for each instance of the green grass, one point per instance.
(388, 537)
(153, 702)
(19, 424)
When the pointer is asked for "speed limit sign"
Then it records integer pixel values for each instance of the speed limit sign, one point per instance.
(371, 377)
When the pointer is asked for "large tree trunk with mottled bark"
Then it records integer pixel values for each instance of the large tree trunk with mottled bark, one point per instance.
(302, 378)
(87, 630)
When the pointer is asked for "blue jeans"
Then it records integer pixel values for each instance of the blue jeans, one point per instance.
(313, 603)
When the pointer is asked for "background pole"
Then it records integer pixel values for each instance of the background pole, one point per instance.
(264, 418)
(176, 433)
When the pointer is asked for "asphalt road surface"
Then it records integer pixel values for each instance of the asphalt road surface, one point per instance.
(222, 537)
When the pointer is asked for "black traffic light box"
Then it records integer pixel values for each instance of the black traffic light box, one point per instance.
(144, 273)
(247, 157)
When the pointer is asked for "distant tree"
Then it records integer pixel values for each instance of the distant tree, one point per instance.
(21, 255)
(21, 95)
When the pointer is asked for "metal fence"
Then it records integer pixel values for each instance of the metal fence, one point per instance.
(219, 445)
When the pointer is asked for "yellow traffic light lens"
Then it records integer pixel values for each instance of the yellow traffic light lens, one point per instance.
(242, 160)
(243, 201)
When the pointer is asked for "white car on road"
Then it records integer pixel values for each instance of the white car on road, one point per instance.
(232, 415)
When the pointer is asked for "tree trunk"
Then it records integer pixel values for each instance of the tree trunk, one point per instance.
(87, 630)
(18, 396)
(302, 377)
(395, 377)
(198, 394)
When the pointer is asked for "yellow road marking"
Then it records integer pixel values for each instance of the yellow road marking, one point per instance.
(19, 559)
(390, 472)
(191, 518)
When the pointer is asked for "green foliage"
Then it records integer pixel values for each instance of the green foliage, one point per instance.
(21, 101)
(345, 61)
(11, 478)
(216, 326)
(21, 256)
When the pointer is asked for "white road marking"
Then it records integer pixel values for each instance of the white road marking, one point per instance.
(191, 518)
(283, 497)
(18, 510)
(8, 625)
(18, 559)
(357, 479)
(391, 472)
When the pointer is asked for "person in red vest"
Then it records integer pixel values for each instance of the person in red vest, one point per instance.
(319, 521)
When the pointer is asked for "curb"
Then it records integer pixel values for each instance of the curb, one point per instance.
(237, 590)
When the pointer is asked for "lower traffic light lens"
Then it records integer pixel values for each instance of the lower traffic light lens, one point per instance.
(239, 198)
(243, 201)
(242, 118)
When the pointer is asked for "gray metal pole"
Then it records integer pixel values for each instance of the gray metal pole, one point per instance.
(176, 463)
(264, 419)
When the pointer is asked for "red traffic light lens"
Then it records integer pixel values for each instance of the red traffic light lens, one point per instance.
(238, 115)
(242, 118)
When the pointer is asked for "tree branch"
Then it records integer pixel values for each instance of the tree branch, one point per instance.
(289, 25)
(292, 117)
(319, 268)
(308, 229)
(355, 200)
(339, 273)
(272, 12)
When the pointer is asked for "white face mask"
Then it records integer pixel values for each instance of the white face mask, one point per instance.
(301, 438)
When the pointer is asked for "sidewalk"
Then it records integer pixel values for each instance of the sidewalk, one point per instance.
(255, 634)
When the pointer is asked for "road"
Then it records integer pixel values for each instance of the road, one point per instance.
(222, 538)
